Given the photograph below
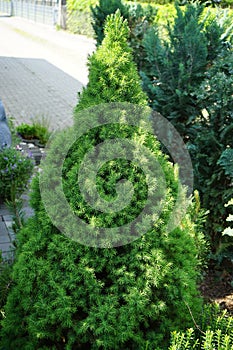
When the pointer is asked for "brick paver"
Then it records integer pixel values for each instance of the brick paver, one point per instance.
(6, 233)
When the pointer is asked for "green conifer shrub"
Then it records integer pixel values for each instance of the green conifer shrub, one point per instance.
(5, 284)
(139, 20)
(100, 13)
(174, 67)
(213, 143)
(113, 75)
(188, 78)
(70, 296)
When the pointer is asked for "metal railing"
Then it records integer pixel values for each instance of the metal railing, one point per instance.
(41, 11)
(6, 8)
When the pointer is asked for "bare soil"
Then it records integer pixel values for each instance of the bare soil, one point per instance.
(217, 286)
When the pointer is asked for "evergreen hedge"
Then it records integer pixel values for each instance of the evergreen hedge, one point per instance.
(188, 79)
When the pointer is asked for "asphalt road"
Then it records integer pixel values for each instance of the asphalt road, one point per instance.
(41, 71)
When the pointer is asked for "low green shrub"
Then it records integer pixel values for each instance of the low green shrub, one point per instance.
(26, 131)
(38, 130)
(16, 170)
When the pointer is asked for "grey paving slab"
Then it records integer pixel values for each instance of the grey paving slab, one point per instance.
(4, 236)
(41, 71)
(7, 217)
(7, 246)
(10, 230)
(3, 211)
(27, 95)
(3, 240)
(7, 251)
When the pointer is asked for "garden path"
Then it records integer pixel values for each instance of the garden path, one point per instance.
(41, 70)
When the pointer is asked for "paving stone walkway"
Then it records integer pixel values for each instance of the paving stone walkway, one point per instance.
(6, 233)
(41, 72)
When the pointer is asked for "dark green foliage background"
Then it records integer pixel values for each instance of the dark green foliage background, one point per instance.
(213, 139)
(188, 78)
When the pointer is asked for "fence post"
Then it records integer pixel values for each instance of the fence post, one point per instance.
(44, 11)
(35, 10)
(55, 12)
(12, 9)
(59, 12)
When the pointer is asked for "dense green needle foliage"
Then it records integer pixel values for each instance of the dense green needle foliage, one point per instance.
(100, 13)
(113, 75)
(70, 296)
(212, 145)
(139, 19)
(175, 67)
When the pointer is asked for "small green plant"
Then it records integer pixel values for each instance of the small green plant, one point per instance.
(26, 131)
(15, 171)
(18, 215)
(214, 332)
(38, 130)
(42, 132)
